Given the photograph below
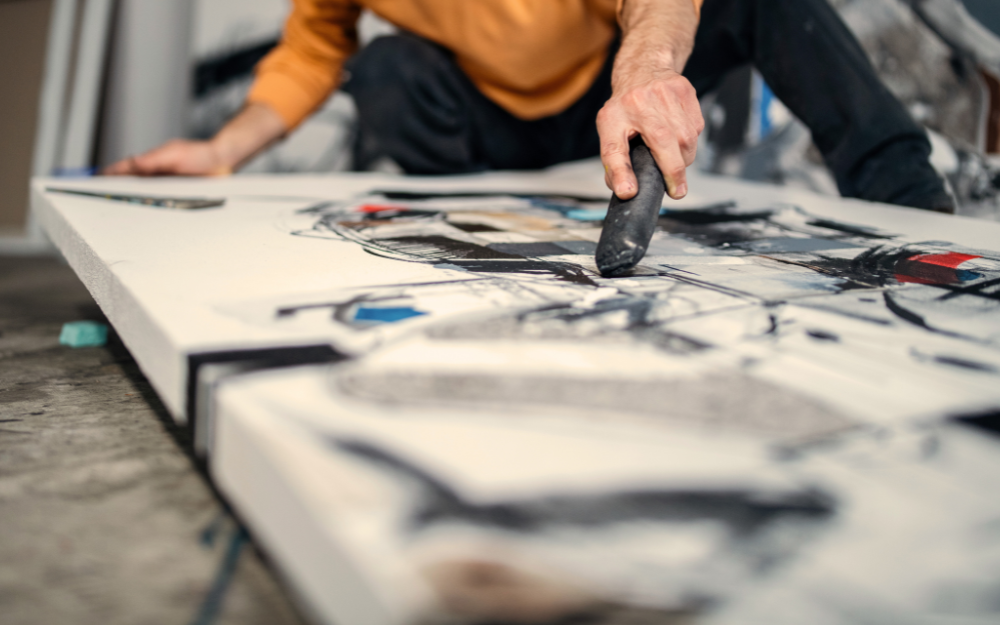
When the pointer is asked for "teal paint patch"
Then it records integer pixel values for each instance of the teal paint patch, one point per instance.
(594, 214)
(84, 334)
(386, 315)
(584, 214)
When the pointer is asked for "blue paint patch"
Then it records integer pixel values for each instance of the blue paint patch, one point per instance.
(967, 276)
(766, 98)
(386, 315)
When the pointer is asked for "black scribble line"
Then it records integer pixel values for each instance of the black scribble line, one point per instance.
(819, 269)
(975, 290)
(740, 509)
(678, 269)
(717, 288)
(908, 315)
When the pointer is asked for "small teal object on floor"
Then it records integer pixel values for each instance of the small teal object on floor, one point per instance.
(84, 334)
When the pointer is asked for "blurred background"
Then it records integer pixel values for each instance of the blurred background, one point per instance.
(87, 82)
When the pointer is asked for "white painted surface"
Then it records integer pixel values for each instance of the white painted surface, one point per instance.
(909, 522)
(166, 278)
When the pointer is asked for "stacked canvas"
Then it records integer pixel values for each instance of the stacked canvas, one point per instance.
(783, 415)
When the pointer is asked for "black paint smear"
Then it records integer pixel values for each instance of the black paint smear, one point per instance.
(400, 195)
(389, 214)
(965, 364)
(823, 335)
(438, 248)
(559, 321)
(860, 231)
(988, 422)
(889, 266)
(743, 511)
(397, 213)
(716, 214)
(469, 227)
(722, 235)
(566, 272)
(903, 313)
(916, 319)
(533, 249)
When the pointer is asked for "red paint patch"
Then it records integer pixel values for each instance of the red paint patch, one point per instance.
(951, 259)
(933, 268)
(915, 280)
(378, 208)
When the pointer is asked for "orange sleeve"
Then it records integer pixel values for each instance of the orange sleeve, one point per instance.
(304, 69)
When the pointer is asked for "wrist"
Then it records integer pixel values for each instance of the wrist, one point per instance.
(252, 130)
(223, 155)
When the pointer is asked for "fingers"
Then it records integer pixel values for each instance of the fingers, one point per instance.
(156, 162)
(667, 115)
(176, 158)
(124, 167)
(675, 150)
(169, 159)
(670, 160)
(618, 173)
(674, 142)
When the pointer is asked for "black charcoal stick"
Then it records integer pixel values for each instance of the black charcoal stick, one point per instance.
(629, 225)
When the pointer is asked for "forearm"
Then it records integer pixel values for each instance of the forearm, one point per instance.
(253, 129)
(657, 38)
(650, 96)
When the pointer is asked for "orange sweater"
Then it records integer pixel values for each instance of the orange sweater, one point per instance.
(532, 57)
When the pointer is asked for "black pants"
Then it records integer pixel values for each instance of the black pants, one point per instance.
(417, 107)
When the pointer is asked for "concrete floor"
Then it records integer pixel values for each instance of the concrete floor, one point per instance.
(103, 512)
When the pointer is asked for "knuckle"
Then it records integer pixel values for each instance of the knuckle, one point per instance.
(612, 149)
(634, 98)
(687, 140)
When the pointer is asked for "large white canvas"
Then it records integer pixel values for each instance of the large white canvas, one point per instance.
(174, 282)
(504, 411)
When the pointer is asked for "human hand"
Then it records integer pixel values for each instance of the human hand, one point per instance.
(175, 158)
(252, 130)
(662, 107)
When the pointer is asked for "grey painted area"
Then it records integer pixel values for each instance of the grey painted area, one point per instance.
(986, 11)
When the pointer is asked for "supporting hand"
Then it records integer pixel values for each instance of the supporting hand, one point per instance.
(174, 158)
(252, 130)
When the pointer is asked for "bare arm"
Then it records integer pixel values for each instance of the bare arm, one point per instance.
(253, 129)
(650, 97)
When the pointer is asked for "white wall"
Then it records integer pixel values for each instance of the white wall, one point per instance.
(149, 82)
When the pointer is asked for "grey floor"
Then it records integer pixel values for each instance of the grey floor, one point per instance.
(104, 516)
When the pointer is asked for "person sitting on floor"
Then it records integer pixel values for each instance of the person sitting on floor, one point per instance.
(475, 85)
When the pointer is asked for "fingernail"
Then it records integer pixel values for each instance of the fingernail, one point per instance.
(682, 190)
